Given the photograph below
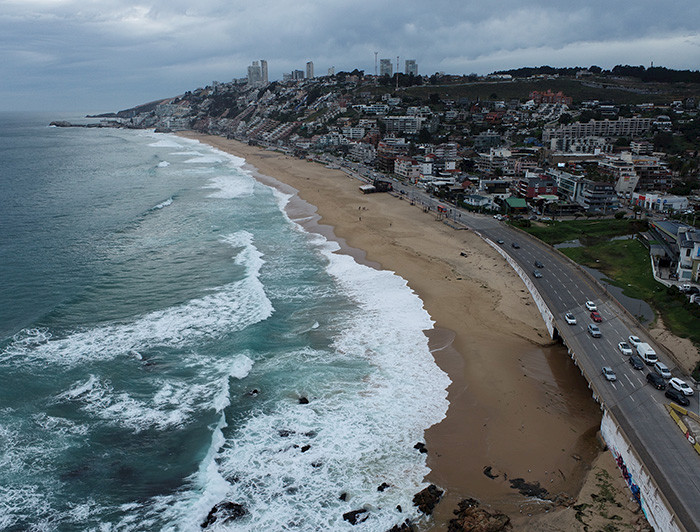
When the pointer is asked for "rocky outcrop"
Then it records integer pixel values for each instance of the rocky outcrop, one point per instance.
(472, 518)
(426, 499)
(356, 516)
(223, 513)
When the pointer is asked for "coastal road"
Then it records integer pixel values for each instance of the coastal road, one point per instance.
(636, 405)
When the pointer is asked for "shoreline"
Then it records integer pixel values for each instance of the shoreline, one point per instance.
(518, 405)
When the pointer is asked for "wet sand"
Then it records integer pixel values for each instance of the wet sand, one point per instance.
(517, 402)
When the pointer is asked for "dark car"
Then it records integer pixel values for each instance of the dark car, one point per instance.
(539, 264)
(537, 274)
(657, 381)
(515, 245)
(500, 241)
(636, 362)
(677, 396)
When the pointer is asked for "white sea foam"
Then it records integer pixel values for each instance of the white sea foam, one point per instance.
(167, 142)
(231, 186)
(232, 307)
(162, 204)
(163, 164)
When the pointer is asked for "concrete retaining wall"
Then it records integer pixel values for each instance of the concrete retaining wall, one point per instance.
(640, 482)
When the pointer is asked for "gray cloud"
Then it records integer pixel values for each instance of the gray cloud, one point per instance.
(69, 54)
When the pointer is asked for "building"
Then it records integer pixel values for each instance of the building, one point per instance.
(689, 254)
(331, 71)
(660, 202)
(410, 125)
(385, 67)
(550, 97)
(263, 71)
(407, 168)
(533, 185)
(411, 68)
(309, 70)
(622, 127)
(621, 172)
(597, 197)
(255, 75)
(297, 74)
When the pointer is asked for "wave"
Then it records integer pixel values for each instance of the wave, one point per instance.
(162, 204)
(232, 307)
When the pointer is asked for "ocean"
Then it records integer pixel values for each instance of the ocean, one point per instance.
(172, 343)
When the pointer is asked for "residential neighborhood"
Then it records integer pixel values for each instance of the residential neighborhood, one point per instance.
(533, 153)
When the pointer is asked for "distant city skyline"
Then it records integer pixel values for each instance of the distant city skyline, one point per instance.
(99, 56)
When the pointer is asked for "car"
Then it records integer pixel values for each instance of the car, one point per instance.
(538, 264)
(681, 386)
(677, 396)
(596, 317)
(656, 381)
(590, 306)
(537, 274)
(625, 348)
(634, 341)
(636, 362)
(662, 370)
(594, 331)
(609, 374)
(515, 245)
(499, 241)
(570, 318)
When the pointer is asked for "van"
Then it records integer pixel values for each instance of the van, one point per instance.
(647, 354)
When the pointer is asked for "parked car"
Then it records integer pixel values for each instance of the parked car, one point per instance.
(515, 245)
(594, 331)
(596, 317)
(570, 318)
(636, 362)
(662, 370)
(625, 348)
(590, 306)
(609, 374)
(634, 341)
(681, 386)
(538, 264)
(536, 274)
(677, 396)
(656, 381)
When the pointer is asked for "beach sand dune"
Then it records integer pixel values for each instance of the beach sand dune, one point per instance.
(519, 408)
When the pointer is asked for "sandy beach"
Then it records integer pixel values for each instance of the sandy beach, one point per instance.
(518, 405)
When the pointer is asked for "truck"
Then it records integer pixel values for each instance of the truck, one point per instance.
(647, 353)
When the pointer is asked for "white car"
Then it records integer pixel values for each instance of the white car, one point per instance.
(590, 306)
(634, 341)
(609, 374)
(570, 318)
(681, 386)
(625, 348)
(662, 370)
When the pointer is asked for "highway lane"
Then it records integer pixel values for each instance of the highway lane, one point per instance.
(636, 404)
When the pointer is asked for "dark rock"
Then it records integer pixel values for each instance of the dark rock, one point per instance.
(426, 499)
(421, 447)
(224, 512)
(253, 393)
(305, 448)
(303, 401)
(398, 507)
(285, 433)
(343, 496)
(383, 486)
(356, 516)
(488, 473)
(471, 518)
(529, 489)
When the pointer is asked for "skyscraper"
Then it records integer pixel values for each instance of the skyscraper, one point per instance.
(411, 67)
(309, 70)
(254, 74)
(263, 71)
(385, 68)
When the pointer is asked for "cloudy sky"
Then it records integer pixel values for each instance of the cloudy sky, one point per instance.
(104, 55)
